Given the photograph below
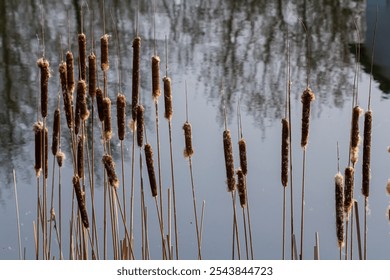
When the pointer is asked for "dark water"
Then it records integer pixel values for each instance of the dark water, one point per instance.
(234, 47)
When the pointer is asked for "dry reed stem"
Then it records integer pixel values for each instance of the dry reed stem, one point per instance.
(285, 151)
(121, 115)
(92, 75)
(229, 161)
(339, 196)
(80, 200)
(107, 118)
(156, 91)
(43, 64)
(60, 156)
(150, 168)
(188, 150)
(348, 190)
(367, 153)
(104, 52)
(355, 137)
(140, 125)
(136, 76)
(38, 128)
(307, 97)
(242, 153)
(241, 187)
(56, 132)
(45, 149)
(110, 169)
(70, 72)
(99, 102)
(168, 98)
(80, 157)
(83, 55)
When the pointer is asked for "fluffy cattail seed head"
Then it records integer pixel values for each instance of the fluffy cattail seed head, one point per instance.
(150, 167)
(168, 98)
(60, 156)
(110, 169)
(307, 97)
(70, 72)
(188, 150)
(104, 52)
(156, 92)
(241, 186)
(339, 196)
(229, 162)
(80, 200)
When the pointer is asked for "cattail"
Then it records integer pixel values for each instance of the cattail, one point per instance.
(355, 137)
(80, 200)
(104, 52)
(348, 190)
(80, 157)
(307, 97)
(79, 104)
(242, 153)
(82, 99)
(339, 194)
(156, 92)
(136, 75)
(188, 151)
(150, 167)
(65, 94)
(45, 148)
(107, 118)
(56, 132)
(38, 128)
(388, 213)
(121, 115)
(229, 162)
(83, 56)
(60, 156)
(140, 125)
(92, 75)
(70, 72)
(168, 98)
(241, 187)
(43, 64)
(99, 102)
(388, 187)
(366, 153)
(110, 169)
(285, 150)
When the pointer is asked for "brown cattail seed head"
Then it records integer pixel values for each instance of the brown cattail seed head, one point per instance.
(63, 76)
(121, 115)
(110, 169)
(156, 92)
(83, 56)
(99, 102)
(242, 153)
(168, 98)
(229, 162)
(56, 132)
(307, 97)
(188, 150)
(104, 52)
(348, 190)
(140, 125)
(82, 99)
(80, 157)
(107, 118)
(92, 75)
(150, 167)
(70, 72)
(339, 195)
(66, 94)
(45, 148)
(355, 137)
(241, 187)
(136, 76)
(38, 128)
(388, 187)
(43, 64)
(367, 153)
(80, 200)
(285, 151)
(60, 156)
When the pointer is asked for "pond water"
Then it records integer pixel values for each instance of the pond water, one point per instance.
(224, 51)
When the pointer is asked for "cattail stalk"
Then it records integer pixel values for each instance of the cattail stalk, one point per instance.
(188, 150)
(307, 97)
(242, 153)
(366, 153)
(80, 157)
(140, 125)
(168, 98)
(355, 136)
(156, 92)
(66, 94)
(56, 132)
(92, 75)
(136, 75)
(45, 149)
(99, 102)
(150, 168)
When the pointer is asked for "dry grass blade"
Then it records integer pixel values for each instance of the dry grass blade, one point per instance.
(121, 115)
(367, 153)
(188, 150)
(339, 196)
(80, 200)
(285, 151)
(307, 97)
(38, 128)
(110, 169)
(43, 64)
(229, 161)
(45, 149)
(150, 168)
